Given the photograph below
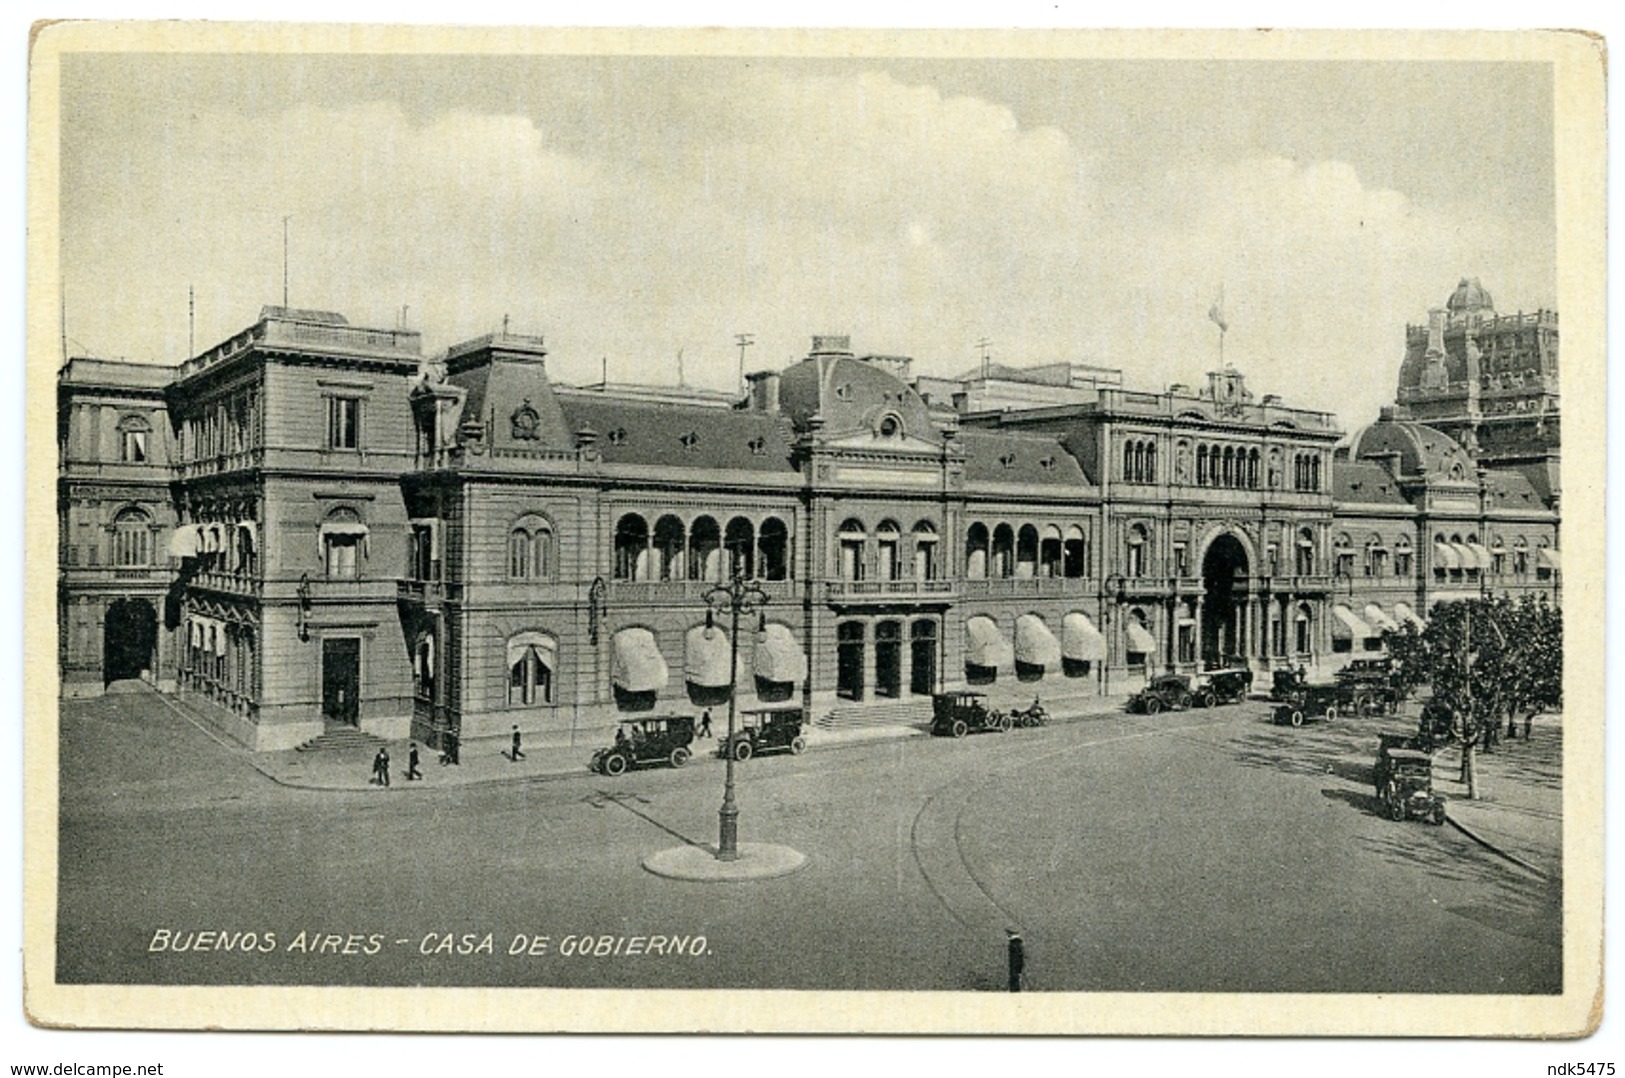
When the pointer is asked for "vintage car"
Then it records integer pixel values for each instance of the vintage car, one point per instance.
(1408, 791)
(1166, 692)
(1386, 745)
(1027, 717)
(776, 729)
(1285, 680)
(1368, 687)
(640, 742)
(955, 714)
(1313, 700)
(1224, 686)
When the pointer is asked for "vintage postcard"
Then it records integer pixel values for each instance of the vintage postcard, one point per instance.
(856, 532)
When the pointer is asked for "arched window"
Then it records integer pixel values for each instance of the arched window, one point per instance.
(1343, 555)
(132, 539)
(1303, 634)
(1150, 475)
(1229, 467)
(1075, 553)
(1128, 463)
(530, 549)
(532, 658)
(631, 548)
(1252, 469)
(925, 551)
(888, 536)
(344, 536)
(740, 539)
(1137, 554)
(1520, 557)
(774, 538)
(1402, 556)
(1027, 552)
(976, 550)
(704, 550)
(1004, 543)
(1201, 465)
(1049, 551)
(671, 542)
(852, 537)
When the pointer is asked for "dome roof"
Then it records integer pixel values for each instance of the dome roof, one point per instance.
(1421, 449)
(848, 394)
(1469, 296)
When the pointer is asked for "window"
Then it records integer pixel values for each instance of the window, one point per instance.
(132, 539)
(1520, 559)
(1306, 553)
(1004, 543)
(133, 447)
(773, 540)
(1376, 557)
(670, 544)
(631, 548)
(1181, 560)
(1402, 557)
(1075, 553)
(976, 546)
(342, 537)
(423, 667)
(531, 657)
(740, 539)
(343, 423)
(530, 549)
(423, 551)
(887, 538)
(1135, 563)
(925, 551)
(851, 538)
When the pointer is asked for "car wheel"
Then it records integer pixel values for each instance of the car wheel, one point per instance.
(1396, 808)
(679, 756)
(614, 764)
(798, 745)
(1003, 723)
(1296, 718)
(1152, 706)
(742, 750)
(959, 728)
(1331, 714)
(1437, 816)
(1209, 700)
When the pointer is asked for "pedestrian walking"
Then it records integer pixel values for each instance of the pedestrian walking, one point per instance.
(380, 765)
(412, 771)
(1018, 958)
(705, 724)
(448, 751)
(516, 755)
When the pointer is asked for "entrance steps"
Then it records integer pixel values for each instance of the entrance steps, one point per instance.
(340, 739)
(859, 716)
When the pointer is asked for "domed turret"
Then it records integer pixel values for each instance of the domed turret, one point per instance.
(1470, 298)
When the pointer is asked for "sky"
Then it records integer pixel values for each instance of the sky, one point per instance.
(635, 209)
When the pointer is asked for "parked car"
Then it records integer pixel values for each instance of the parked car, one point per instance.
(1408, 792)
(762, 730)
(1383, 769)
(1285, 680)
(1223, 686)
(955, 714)
(1315, 700)
(1166, 692)
(1369, 688)
(640, 742)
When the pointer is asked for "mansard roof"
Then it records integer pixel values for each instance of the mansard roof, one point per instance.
(1010, 457)
(1422, 450)
(1365, 483)
(659, 435)
(847, 394)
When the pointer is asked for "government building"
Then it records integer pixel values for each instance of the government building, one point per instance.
(312, 525)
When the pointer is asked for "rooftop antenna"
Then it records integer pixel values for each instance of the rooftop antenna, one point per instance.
(191, 322)
(62, 322)
(983, 344)
(603, 371)
(679, 367)
(744, 341)
(285, 218)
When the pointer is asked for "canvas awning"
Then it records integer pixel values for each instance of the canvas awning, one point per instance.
(1035, 644)
(219, 638)
(638, 665)
(250, 532)
(1548, 557)
(1468, 559)
(778, 657)
(195, 633)
(1481, 555)
(518, 645)
(706, 654)
(1376, 617)
(1405, 613)
(1445, 556)
(1080, 640)
(344, 527)
(1140, 638)
(1347, 624)
(183, 541)
(985, 645)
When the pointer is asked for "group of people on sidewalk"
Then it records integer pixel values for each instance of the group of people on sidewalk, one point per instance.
(449, 755)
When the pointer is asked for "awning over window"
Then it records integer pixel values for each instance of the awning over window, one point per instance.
(1405, 613)
(1464, 554)
(985, 645)
(344, 527)
(250, 533)
(706, 654)
(1549, 557)
(1080, 640)
(778, 657)
(183, 541)
(1481, 555)
(1346, 624)
(1140, 638)
(638, 665)
(1378, 619)
(196, 632)
(518, 645)
(1035, 644)
(1445, 556)
(219, 638)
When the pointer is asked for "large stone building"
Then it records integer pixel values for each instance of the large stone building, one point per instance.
(332, 531)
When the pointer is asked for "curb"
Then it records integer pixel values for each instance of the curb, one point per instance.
(1493, 848)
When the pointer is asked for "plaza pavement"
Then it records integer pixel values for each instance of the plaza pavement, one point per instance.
(1519, 814)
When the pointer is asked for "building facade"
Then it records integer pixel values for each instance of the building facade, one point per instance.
(341, 533)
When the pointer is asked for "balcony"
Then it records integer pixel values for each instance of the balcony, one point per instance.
(1038, 586)
(230, 583)
(686, 591)
(849, 592)
(426, 593)
(1314, 584)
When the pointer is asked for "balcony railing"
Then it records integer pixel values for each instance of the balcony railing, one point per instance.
(684, 591)
(847, 591)
(1001, 587)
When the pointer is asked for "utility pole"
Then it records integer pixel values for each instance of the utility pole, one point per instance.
(285, 218)
(191, 322)
(982, 347)
(744, 340)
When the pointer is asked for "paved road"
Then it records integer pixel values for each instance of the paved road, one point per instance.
(1194, 851)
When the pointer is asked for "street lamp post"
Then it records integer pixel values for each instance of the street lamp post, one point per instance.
(733, 598)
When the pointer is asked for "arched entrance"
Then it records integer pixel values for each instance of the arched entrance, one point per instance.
(129, 637)
(1224, 584)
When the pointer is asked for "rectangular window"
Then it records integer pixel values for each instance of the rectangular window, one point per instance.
(1402, 563)
(343, 423)
(133, 449)
(340, 556)
(1181, 562)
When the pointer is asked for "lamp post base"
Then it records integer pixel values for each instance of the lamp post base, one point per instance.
(728, 834)
(755, 861)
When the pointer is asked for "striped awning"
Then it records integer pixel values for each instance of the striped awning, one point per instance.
(1080, 640)
(1347, 624)
(778, 657)
(183, 541)
(706, 654)
(1140, 638)
(1466, 557)
(1035, 644)
(985, 645)
(1549, 557)
(638, 665)
(1405, 613)
(1378, 619)
(1445, 556)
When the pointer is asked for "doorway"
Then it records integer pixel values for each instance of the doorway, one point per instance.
(923, 668)
(1224, 584)
(341, 680)
(849, 660)
(889, 659)
(129, 636)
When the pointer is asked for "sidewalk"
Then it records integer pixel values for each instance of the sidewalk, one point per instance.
(485, 760)
(1519, 814)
